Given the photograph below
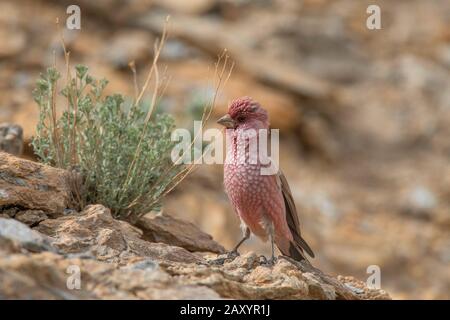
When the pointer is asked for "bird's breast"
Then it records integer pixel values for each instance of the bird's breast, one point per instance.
(243, 183)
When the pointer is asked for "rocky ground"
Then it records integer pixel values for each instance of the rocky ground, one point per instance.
(43, 243)
(364, 116)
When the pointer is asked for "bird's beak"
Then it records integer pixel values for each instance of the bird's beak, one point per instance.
(227, 121)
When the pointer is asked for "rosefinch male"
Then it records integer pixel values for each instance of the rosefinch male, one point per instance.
(263, 203)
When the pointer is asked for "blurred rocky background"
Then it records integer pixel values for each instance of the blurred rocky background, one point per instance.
(364, 115)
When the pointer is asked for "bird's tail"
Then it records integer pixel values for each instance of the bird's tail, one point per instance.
(296, 252)
(294, 249)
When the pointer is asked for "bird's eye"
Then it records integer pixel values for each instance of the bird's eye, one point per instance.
(253, 108)
(240, 118)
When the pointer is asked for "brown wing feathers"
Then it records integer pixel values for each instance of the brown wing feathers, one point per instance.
(291, 216)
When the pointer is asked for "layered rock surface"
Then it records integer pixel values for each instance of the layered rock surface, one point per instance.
(40, 256)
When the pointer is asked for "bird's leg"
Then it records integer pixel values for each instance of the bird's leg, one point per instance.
(231, 255)
(273, 259)
(234, 253)
(272, 243)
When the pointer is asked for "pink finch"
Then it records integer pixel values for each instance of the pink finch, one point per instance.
(263, 202)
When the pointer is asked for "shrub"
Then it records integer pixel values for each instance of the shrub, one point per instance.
(117, 149)
(123, 159)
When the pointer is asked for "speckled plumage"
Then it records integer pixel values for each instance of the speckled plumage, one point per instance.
(262, 202)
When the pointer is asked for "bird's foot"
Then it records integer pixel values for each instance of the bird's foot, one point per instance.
(268, 262)
(233, 254)
(217, 262)
(230, 256)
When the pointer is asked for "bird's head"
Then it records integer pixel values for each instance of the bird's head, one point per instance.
(245, 113)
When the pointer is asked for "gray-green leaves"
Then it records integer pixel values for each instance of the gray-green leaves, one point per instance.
(124, 161)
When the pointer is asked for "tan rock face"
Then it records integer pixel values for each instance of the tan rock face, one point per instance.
(126, 46)
(11, 45)
(31, 217)
(187, 7)
(112, 259)
(19, 233)
(115, 263)
(167, 229)
(95, 232)
(246, 278)
(35, 277)
(30, 185)
(11, 138)
(45, 276)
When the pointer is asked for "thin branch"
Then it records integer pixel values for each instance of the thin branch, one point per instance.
(132, 66)
(221, 77)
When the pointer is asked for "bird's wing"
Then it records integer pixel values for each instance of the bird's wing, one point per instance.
(291, 214)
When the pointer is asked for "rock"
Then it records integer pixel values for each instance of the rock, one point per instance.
(115, 263)
(146, 264)
(360, 288)
(31, 217)
(423, 198)
(9, 246)
(246, 278)
(193, 7)
(176, 50)
(166, 229)
(162, 271)
(211, 36)
(420, 201)
(443, 54)
(35, 277)
(127, 46)
(10, 212)
(156, 283)
(46, 276)
(12, 41)
(11, 138)
(30, 185)
(124, 10)
(95, 230)
(22, 234)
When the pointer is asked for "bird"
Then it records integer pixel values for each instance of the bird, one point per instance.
(263, 202)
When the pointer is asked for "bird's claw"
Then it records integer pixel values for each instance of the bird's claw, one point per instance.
(233, 254)
(262, 260)
(230, 256)
(267, 262)
(217, 262)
